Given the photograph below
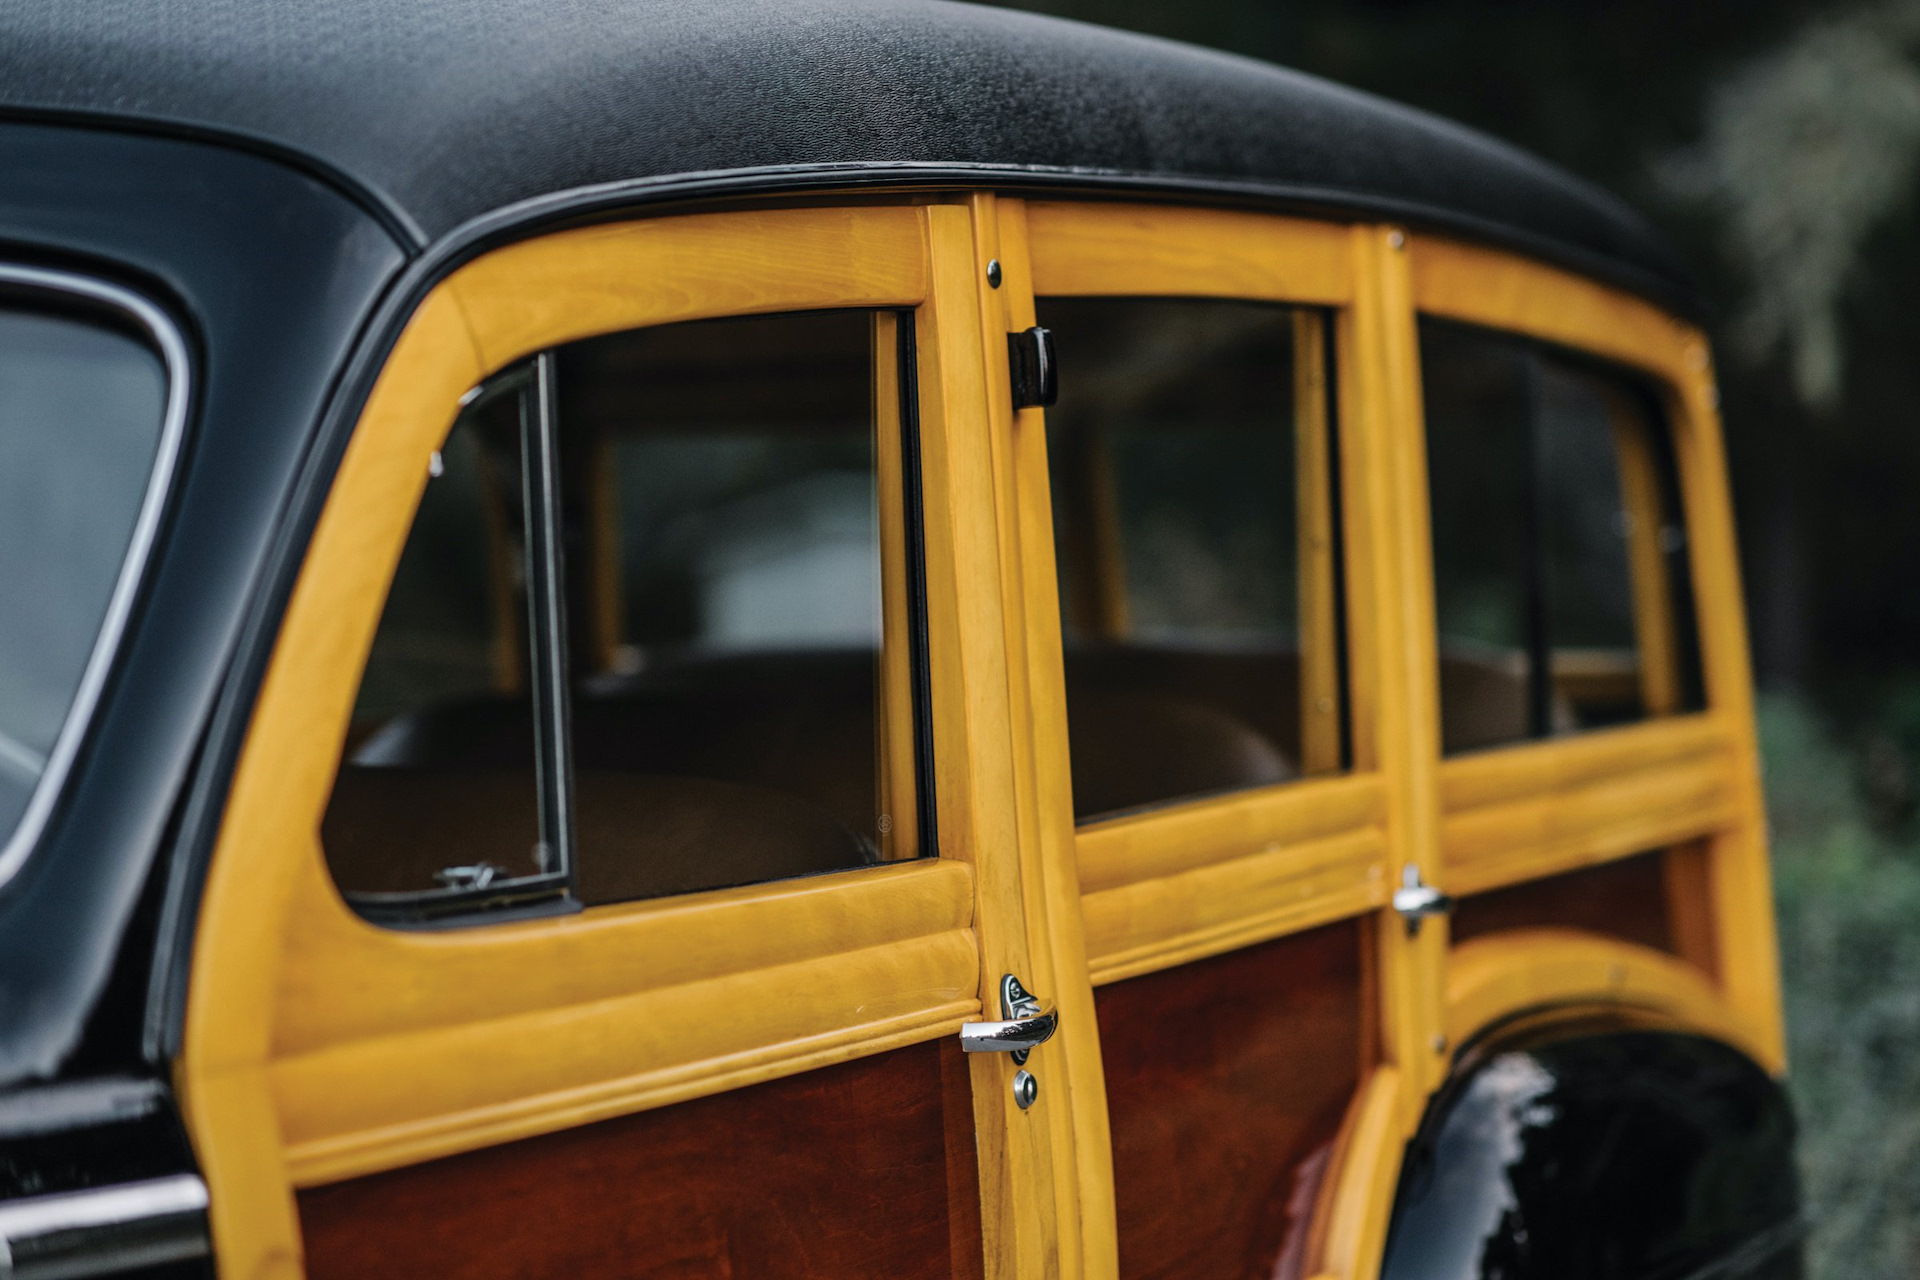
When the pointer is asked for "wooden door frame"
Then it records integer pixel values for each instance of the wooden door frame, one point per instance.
(319, 1047)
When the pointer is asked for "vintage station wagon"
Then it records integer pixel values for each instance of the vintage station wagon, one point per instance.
(851, 638)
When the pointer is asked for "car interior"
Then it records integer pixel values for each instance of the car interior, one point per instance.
(724, 497)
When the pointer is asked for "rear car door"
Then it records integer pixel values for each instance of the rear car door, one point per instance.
(1217, 628)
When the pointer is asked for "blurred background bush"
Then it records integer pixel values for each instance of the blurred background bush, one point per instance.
(1777, 142)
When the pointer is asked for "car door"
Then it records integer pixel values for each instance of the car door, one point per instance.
(631, 816)
(1218, 621)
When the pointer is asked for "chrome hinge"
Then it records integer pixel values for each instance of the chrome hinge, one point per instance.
(1415, 900)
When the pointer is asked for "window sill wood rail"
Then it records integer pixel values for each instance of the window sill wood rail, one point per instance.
(1515, 815)
(620, 1009)
(1198, 879)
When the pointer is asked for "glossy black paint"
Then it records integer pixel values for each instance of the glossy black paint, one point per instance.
(1601, 1155)
(271, 274)
(91, 1133)
(94, 1133)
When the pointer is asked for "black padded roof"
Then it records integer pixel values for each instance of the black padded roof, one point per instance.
(445, 111)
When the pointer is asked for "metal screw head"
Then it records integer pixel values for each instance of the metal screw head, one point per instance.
(1439, 1044)
(993, 272)
(1398, 239)
(1025, 1089)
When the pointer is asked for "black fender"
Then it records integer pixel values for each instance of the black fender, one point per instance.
(1600, 1154)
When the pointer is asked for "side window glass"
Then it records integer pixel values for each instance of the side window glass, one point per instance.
(439, 791)
(82, 408)
(1191, 458)
(654, 631)
(1560, 571)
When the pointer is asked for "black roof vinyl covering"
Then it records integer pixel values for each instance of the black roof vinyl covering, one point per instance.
(444, 111)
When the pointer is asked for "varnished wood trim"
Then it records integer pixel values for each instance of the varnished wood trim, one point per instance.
(982, 755)
(1180, 918)
(595, 280)
(258, 997)
(1148, 250)
(1655, 628)
(358, 1142)
(1196, 879)
(1391, 631)
(1317, 573)
(1539, 810)
(1489, 287)
(898, 742)
(862, 1169)
(1492, 979)
(1496, 777)
(1747, 952)
(1080, 1148)
(1129, 850)
(343, 977)
(1365, 1175)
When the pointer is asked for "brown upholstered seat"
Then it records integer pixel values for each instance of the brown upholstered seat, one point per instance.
(1257, 686)
(1133, 749)
(1483, 701)
(389, 829)
(732, 769)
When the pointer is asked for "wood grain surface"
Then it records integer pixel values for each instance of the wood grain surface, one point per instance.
(863, 1169)
(1625, 900)
(1226, 1082)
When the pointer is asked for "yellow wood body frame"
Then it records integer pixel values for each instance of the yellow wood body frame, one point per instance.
(319, 1047)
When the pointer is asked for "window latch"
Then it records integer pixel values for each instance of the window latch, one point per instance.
(1415, 900)
(1032, 368)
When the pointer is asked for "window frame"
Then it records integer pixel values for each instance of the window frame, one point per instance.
(68, 291)
(1664, 673)
(1196, 877)
(903, 740)
(1527, 810)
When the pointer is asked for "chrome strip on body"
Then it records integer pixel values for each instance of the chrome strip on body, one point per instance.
(104, 1230)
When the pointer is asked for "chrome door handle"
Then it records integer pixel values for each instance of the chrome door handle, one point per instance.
(1415, 900)
(1025, 1024)
(1018, 1036)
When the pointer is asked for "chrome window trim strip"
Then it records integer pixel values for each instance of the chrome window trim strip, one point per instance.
(104, 1230)
(172, 347)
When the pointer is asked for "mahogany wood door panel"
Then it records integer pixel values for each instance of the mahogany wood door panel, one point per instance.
(1227, 1081)
(862, 1169)
(1625, 900)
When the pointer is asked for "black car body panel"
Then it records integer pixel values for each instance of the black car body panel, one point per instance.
(1616, 1155)
(270, 275)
